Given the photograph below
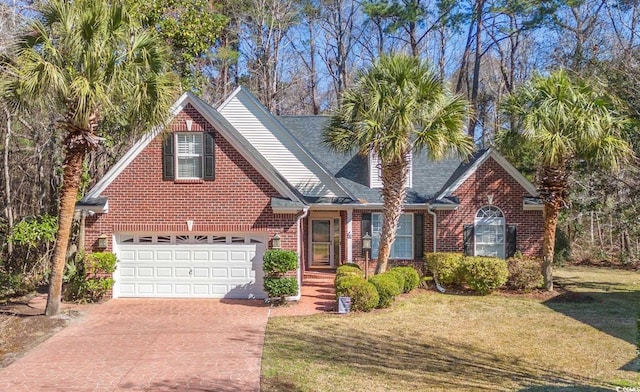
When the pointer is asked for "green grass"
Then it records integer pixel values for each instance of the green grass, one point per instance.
(582, 340)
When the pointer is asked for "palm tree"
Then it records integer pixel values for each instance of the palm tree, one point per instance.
(89, 60)
(570, 121)
(397, 106)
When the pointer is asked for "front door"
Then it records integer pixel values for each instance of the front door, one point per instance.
(325, 242)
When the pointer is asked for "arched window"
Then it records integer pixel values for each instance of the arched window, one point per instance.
(489, 230)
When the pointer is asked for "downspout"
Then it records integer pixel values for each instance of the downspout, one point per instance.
(435, 228)
(435, 243)
(305, 212)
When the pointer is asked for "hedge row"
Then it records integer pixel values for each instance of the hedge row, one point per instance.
(379, 291)
(484, 274)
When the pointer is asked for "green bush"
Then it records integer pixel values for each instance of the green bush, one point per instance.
(364, 295)
(279, 261)
(484, 274)
(446, 267)
(399, 277)
(89, 279)
(349, 270)
(387, 287)
(280, 287)
(14, 285)
(411, 277)
(524, 273)
(355, 265)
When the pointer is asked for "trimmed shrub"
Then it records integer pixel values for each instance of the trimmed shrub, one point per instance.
(364, 295)
(279, 287)
(399, 277)
(485, 274)
(524, 273)
(411, 277)
(349, 270)
(446, 267)
(387, 287)
(279, 261)
(355, 265)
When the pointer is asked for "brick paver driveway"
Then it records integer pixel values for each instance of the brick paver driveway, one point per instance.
(149, 344)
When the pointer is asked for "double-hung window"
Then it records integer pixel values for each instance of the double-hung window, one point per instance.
(189, 155)
(490, 232)
(402, 247)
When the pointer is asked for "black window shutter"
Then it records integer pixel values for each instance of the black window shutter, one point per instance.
(365, 227)
(467, 240)
(418, 236)
(168, 158)
(511, 240)
(209, 157)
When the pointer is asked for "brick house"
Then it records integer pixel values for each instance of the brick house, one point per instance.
(189, 210)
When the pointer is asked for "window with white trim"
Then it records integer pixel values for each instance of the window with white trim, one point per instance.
(189, 147)
(489, 232)
(402, 247)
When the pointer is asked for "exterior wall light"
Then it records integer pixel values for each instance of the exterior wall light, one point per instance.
(102, 241)
(276, 241)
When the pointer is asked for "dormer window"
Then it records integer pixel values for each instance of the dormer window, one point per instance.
(375, 171)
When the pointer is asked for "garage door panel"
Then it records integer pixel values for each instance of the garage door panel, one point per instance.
(145, 255)
(164, 272)
(219, 255)
(201, 255)
(182, 272)
(201, 272)
(164, 255)
(221, 272)
(182, 255)
(215, 270)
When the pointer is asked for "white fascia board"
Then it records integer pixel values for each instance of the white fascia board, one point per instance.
(137, 148)
(282, 128)
(287, 210)
(508, 167)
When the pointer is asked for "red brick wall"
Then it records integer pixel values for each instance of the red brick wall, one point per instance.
(238, 200)
(489, 178)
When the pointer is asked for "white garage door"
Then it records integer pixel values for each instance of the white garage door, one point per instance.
(189, 266)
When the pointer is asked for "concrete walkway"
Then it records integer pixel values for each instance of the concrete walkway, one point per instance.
(150, 345)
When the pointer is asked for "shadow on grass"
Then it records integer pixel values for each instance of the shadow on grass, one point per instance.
(395, 359)
(574, 388)
(614, 313)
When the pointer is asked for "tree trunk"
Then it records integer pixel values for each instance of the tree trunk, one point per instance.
(70, 184)
(548, 243)
(8, 209)
(394, 179)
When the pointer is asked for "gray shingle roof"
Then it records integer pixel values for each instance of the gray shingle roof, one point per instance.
(429, 177)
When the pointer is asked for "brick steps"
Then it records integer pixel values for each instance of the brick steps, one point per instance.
(319, 278)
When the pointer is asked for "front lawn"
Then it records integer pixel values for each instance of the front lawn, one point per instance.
(582, 340)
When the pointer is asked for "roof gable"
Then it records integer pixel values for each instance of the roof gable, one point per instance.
(277, 145)
(467, 169)
(221, 125)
